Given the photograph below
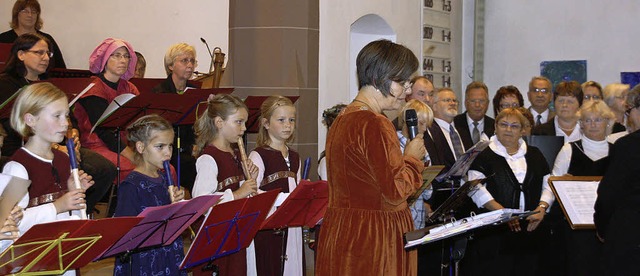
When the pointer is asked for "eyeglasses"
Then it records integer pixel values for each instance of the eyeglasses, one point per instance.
(41, 53)
(477, 101)
(540, 90)
(509, 105)
(449, 100)
(629, 109)
(592, 97)
(505, 125)
(28, 11)
(597, 121)
(186, 61)
(120, 56)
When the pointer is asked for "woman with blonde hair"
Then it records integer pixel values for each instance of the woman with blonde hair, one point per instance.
(179, 63)
(420, 208)
(615, 95)
(578, 251)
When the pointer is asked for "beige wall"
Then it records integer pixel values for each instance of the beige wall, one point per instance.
(150, 25)
(336, 17)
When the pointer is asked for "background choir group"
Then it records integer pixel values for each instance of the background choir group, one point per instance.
(371, 165)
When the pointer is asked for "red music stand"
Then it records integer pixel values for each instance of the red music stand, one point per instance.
(53, 248)
(193, 114)
(69, 73)
(305, 206)
(253, 104)
(5, 53)
(71, 86)
(147, 84)
(161, 225)
(228, 228)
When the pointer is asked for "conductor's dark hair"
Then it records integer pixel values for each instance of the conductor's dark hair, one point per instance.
(383, 61)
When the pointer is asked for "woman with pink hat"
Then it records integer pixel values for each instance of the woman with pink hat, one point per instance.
(114, 62)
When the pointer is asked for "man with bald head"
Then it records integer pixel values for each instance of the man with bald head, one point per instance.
(422, 90)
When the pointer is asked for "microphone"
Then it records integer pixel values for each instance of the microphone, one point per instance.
(411, 117)
(210, 53)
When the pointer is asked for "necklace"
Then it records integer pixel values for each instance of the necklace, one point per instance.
(567, 129)
(512, 153)
(366, 105)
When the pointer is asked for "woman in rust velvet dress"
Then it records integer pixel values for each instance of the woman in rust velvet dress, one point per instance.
(369, 178)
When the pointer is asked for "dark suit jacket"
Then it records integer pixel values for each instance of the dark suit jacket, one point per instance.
(460, 122)
(548, 129)
(438, 148)
(617, 209)
(552, 114)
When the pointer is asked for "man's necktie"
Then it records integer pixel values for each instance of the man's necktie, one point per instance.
(475, 135)
(455, 140)
(538, 120)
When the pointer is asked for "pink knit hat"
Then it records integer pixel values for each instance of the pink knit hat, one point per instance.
(100, 56)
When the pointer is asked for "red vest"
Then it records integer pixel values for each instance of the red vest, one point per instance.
(229, 168)
(276, 171)
(45, 179)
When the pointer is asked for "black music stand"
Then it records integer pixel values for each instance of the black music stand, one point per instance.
(548, 145)
(228, 228)
(161, 225)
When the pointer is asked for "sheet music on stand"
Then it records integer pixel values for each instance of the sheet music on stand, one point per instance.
(457, 227)
(454, 201)
(464, 162)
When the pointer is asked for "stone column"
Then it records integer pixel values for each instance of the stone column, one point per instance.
(273, 49)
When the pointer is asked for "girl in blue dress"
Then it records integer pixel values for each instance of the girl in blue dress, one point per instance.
(151, 138)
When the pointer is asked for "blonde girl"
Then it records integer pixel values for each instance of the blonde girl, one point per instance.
(279, 168)
(218, 167)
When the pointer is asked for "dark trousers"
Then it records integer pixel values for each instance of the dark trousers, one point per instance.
(103, 173)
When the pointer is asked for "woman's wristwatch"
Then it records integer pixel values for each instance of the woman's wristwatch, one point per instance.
(543, 206)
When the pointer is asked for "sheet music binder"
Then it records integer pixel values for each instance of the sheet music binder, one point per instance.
(458, 227)
(463, 163)
(55, 247)
(583, 197)
(161, 225)
(305, 206)
(428, 175)
(454, 201)
(14, 190)
(228, 228)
